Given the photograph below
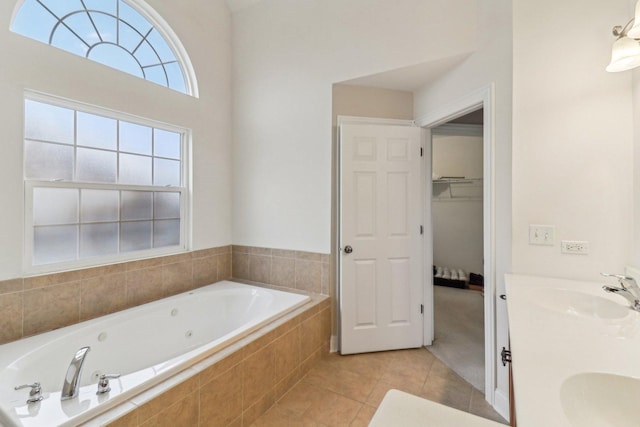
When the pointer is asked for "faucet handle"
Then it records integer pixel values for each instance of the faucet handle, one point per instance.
(35, 395)
(103, 383)
(621, 279)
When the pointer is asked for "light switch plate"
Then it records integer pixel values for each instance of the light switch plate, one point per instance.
(542, 234)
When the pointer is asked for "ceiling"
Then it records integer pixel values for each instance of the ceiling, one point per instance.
(410, 78)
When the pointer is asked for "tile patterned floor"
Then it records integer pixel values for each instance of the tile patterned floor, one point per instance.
(346, 390)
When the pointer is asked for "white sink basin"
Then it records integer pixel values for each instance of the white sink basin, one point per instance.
(581, 304)
(598, 400)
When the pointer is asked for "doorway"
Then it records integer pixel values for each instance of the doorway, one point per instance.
(457, 224)
(483, 99)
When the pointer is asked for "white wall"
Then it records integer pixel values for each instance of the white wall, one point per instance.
(286, 56)
(457, 223)
(490, 64)
(572, 137)
(204, 29)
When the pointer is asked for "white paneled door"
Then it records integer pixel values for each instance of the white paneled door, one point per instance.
(380, 238)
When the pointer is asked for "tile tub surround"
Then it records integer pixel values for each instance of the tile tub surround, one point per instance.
(305, 271)
(33, 305)
(238, 384)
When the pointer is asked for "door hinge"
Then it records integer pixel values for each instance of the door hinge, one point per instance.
(506, 356)
(421, 308)
(421, 229)
(421, 152)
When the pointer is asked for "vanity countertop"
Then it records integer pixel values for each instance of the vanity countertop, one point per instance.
(576, 353)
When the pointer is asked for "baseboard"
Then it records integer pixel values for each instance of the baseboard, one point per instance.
(333, 344)
(501, 404)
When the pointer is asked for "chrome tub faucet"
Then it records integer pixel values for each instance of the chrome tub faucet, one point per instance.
(71, 384)
(628, 289)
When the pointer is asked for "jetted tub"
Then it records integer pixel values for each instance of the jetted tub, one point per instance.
(145, 345)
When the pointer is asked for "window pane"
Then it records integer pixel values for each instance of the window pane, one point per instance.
(176, 78)
(48, 122)
(135, 138)
(137, 205)
(48, 161)
(55, 206)
(55, 244)
(146, 56)
(98, 239)
(167, 205)
(96, 131)
(166, 144)
(129, 38)
(115, 57)
(33, 20)
(65, 39)
(130, 16)
(160, 45)
(135, 169)
(166, 233)
(82, 26)
(105, 24)
(156, 74)
(99, 205)
(62, 8)
(166, 172)
(107, 6)
(135, 236)
(96, 165)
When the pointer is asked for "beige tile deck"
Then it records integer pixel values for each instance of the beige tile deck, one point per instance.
(346, 390)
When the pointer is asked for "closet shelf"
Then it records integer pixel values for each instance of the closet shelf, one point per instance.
(457, 188)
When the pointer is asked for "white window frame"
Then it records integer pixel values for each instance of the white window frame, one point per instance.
(185, 192)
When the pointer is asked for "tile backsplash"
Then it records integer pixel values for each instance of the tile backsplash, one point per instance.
(306, 271)
(33, 305)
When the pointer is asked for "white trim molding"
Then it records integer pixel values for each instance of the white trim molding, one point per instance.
(353, 120)
(483, 97)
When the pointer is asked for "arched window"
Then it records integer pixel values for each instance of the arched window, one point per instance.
(115, 33)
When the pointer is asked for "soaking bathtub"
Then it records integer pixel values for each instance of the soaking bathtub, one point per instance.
(145, 345)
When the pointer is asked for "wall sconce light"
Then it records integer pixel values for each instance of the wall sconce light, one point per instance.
(625, 53)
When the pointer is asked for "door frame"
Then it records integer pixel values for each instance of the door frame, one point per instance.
(481, 98)
(353, 120)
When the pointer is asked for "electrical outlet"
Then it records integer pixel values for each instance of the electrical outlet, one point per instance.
(574, 247)
(542, 234)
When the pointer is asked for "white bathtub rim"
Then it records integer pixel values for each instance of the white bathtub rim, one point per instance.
(188, 359)
(154, 391)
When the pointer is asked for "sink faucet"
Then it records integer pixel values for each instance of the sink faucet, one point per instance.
(72, 379)
(628, 289)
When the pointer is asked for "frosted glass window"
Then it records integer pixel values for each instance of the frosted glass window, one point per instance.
(48, 161)
(166, 206)
(98, 239)
(166, 172)
(166, 233)
(96, 165)
(55, 206)
(97, 194)
(136, 236)
(55, 244)
(166, 144)
(137, 205)
(135, 169)
(111, 32)
(135, 138)
(48, 122)
(99, 205)
(96, 131)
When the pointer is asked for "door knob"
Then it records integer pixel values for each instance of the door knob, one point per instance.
(348, 249)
